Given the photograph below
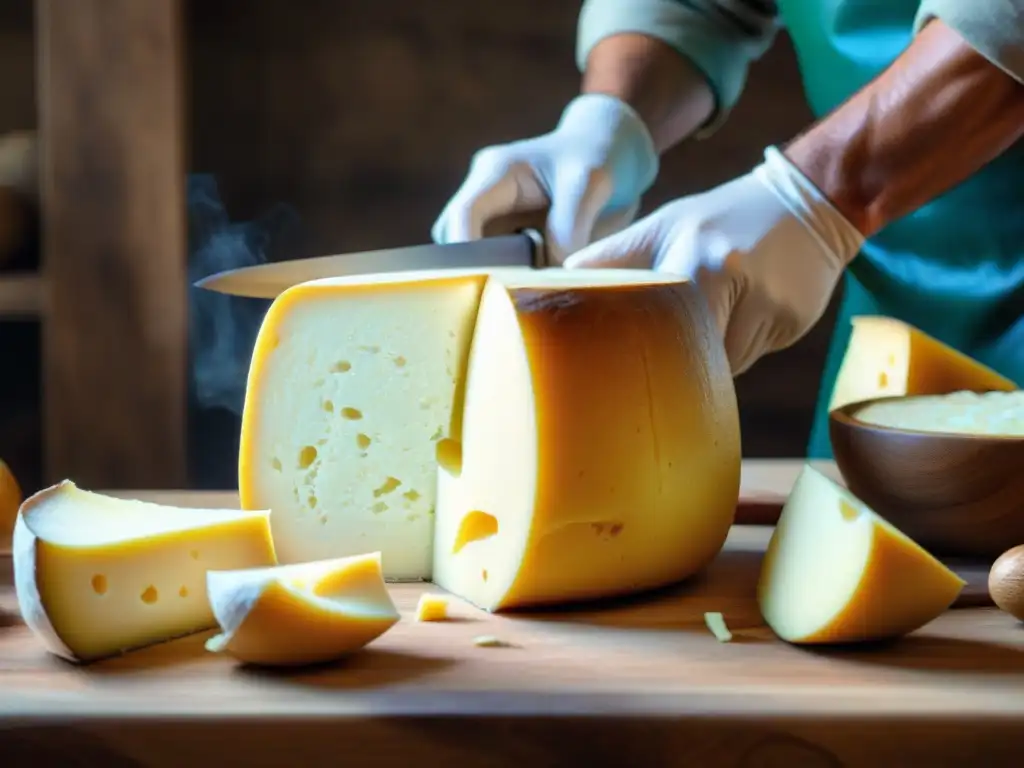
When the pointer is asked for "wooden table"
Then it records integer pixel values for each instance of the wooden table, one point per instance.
(633, 682)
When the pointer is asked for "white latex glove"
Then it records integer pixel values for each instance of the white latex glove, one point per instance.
(590, 171)
(766, 251)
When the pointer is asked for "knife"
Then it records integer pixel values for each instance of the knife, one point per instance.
(267, 281)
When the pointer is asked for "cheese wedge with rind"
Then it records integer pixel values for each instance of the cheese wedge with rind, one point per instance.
(305, 613)
(96, 576)
(886, 357)
(600, 442)
(836, 572)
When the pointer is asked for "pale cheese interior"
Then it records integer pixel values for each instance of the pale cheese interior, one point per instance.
(355, 398)
(97, 575)
(886, 357)
(837, 572)
(302, 613)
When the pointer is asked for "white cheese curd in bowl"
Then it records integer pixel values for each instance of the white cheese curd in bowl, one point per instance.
(968, 413)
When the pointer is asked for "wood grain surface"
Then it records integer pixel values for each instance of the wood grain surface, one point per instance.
(639, 681)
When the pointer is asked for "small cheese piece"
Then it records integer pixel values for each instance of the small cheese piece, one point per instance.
(489, 641)
(836, 572)
(306, 613)
(10, 500)
(353, 393)
(432, 607)
(600, 442)
(716, 623)
(96, 576)
(887, 357)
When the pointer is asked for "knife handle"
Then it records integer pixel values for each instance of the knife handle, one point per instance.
(528, 223)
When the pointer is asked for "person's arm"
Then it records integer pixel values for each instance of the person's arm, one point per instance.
(953, 101)
(680, 64)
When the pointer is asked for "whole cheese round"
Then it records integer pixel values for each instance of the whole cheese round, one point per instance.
(518, 436)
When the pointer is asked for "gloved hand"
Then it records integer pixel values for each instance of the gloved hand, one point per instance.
(591, 170)
(766, 251)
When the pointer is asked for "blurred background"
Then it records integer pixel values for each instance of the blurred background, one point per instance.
(180, 137)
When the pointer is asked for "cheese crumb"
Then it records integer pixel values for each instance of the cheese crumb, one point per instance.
(432, 608)
(716, 623)
(489, 641)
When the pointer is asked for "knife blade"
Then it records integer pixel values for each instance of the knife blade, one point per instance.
(267, 281)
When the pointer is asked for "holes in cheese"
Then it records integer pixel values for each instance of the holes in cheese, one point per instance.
(475, 526)
(887, 357)
(388, 418)
(306, 613)
(836, 572)
(564, 403)
(93, 573)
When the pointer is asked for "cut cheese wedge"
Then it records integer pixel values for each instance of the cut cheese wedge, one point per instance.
(887, 357)
(97, 575)
(307, 613)
(600, 450)
(595, 432)
(836, 572)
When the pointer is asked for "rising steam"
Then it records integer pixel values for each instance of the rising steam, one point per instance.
(222, 329)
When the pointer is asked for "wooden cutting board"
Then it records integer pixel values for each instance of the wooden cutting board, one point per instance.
(628, 682)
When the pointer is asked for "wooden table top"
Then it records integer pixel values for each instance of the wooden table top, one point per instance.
(640, 679)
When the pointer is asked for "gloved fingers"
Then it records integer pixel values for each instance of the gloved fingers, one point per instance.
(613, 222)
(629, 249)
(493, 187)
(577, 196)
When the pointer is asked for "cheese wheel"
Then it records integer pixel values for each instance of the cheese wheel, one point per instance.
(600, 442)
(307, 613)
(886, 357)
(836, 572)
(97, 575)
(596, 425)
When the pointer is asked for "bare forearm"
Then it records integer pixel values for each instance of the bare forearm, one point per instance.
(936, 116)
(665, 89)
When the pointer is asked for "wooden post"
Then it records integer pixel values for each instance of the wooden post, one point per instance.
(114, 242)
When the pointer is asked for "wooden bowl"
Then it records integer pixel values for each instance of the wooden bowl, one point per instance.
(954, 494)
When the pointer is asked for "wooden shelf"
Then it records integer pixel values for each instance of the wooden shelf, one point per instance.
(21, 295)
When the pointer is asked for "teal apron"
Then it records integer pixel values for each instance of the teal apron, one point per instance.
(954, 268)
